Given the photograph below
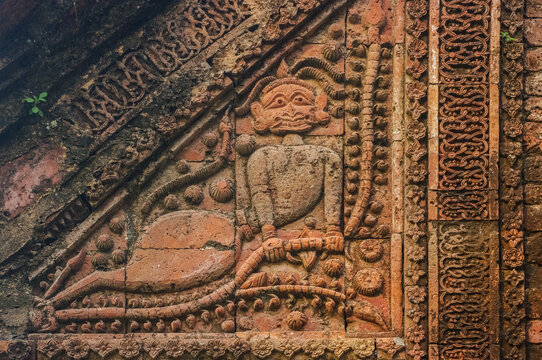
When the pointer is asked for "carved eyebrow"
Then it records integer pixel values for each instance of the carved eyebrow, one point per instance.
(270, 100)
(306, 94)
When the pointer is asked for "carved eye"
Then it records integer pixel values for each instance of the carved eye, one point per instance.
(278, 102)
(301, 100)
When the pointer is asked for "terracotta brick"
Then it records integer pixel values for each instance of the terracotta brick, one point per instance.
(533, 169)
(533, 84)
(533, 8)
(534, 331)
(533, 35)
(24, 179)
(534, 352)
(533, 108)
(533, 217)
(533, 248)
(533, 194)
(188, 230)
(532, 137)
(533, 305)
(159, 269)
(533, 275)
(533, 59)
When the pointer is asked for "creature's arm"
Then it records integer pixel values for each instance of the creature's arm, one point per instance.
(333, 191)
(258, 180)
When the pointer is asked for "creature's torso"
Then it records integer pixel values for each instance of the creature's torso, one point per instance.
(295, 178)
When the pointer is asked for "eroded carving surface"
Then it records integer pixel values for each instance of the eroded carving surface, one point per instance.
(327, 188)
(243, 229)
(183, 34)
(513, 332)
(465, 288)
(415, 240)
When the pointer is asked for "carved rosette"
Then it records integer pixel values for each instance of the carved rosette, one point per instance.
(511, 189)
(415, 241)
(178, 347)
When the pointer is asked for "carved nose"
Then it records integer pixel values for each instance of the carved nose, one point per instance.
(290, 109)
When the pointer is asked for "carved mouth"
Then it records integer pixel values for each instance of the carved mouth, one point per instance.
(298, 123)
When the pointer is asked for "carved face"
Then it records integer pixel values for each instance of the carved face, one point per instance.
(289, 108)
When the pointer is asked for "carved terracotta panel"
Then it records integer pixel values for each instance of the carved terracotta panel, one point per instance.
(272, 215)
(303, 179)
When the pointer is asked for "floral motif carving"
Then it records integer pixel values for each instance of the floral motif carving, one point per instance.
(511, 165)
(19, 350)
(415, 243)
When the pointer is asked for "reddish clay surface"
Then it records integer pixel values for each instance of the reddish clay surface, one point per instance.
(25, 179)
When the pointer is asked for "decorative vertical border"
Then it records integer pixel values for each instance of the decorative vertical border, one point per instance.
(432, 120)
(397, 150)
(454, 195)
(464, 288)
(451, 87)
(415, 235)
(511, 189)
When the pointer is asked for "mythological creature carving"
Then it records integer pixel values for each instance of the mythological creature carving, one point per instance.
(285, 183)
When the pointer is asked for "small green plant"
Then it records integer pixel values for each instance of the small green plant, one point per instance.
(34, 100)
(505, 37)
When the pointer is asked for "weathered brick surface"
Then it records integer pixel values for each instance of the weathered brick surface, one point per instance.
(533, 193)
(533, 190)
(533, 248)
(535, 351)
(269, 170)
(533, 84)
(25, 179)
(533, 274)
(533, 168)
(534, 331)
(533, 108)
(534, 301)
(533, 8)
(533, 214)
(533, 59)
(533, 35)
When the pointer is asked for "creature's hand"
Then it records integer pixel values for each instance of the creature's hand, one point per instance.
(333, 239)
(43, 319)
(246, 233)
(268, 231)
(273, 250)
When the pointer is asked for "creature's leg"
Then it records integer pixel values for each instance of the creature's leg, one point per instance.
(274, 250)
(112, 280)
(161, 312)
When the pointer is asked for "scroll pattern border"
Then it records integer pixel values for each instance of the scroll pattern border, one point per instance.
(463, 86)
(105, 101)
(464, 128)
(464, 117)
